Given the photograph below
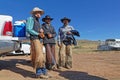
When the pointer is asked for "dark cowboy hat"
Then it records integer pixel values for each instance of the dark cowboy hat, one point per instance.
(46, 17)
(65, 18)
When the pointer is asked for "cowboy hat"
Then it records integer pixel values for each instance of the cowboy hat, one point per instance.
(65, 18)
(46, 17)
(36, 9)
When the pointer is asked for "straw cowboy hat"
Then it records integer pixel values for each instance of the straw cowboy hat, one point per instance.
(65, 18)
(46, 17)
(36, 9)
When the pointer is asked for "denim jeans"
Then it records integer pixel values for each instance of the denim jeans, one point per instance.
(40, 71)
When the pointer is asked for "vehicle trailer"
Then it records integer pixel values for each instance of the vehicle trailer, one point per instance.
(109, 44)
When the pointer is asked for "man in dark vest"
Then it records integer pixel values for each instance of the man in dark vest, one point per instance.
(35, 31)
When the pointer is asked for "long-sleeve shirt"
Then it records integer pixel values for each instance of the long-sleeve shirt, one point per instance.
(33, 27)
(62, 32)
(30, 25)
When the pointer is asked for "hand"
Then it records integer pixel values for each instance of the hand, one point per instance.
(59, 45)
(41, 35)
(69, 33)
(41, 30)
(49, 35)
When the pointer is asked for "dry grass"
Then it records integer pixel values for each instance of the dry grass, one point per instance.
(87, 46)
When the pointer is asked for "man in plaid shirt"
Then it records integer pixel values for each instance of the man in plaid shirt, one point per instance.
(65, 51)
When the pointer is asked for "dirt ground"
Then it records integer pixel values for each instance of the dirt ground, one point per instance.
(86, 66)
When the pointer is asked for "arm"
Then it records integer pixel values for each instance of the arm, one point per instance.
(54, 33)
(29, 26)
(72, 28)
(51, 33)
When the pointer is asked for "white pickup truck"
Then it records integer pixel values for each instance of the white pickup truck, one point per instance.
(8, 42)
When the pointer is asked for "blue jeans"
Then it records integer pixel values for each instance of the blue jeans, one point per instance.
(40, 71)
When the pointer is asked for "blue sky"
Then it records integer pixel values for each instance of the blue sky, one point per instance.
(94, 19)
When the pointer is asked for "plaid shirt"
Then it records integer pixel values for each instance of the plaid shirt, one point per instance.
(62, 32)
